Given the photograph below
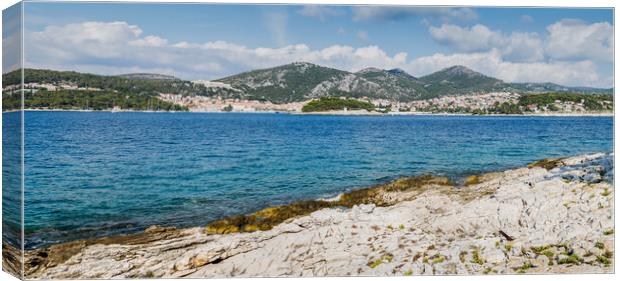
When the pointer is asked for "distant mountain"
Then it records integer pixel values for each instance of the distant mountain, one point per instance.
(146, 86)
(551, 87)
(300, 81)
(401, 73)
(147, 76)
(399, 84)
(457, 80)
(74, 90)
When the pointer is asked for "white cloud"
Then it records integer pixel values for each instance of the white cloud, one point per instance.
(581, 73)
(577, 40)
(11, 38)
(127, 50)
(361, 13)
(476, 38)
(517, 46)
(526, 19)
(571, 40)
(149, 41)
(276, 23)
(523, 46)
(91, 32)
(77, 40)
(320, 12)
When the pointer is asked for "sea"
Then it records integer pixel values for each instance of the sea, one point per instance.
(93, 174)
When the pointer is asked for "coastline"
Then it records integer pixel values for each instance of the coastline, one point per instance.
(335, 113)
(201, 246)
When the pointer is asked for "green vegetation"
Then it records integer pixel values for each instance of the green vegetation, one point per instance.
(548, 164)
(599, 245)
(476, 257)
(549, 254)
(397, 86)
(543, 102)
(112, 83)
(87, 100)
(488, 270)
(295, 82)
(268, 218)
(473, 179)
(540, 249)
(334, 103)
(591, 102)
(298, 83)
(459, 80)
(523, 268)
(606, 192)
(438, 259)
(603, 260)
(377, 262)
(112, 91)
(571, 259)
(228, 108)
(506, 108)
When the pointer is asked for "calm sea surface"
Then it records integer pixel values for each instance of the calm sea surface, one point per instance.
(95, 173)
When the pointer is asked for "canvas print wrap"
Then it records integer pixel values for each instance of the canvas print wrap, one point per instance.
(12, 139)
(237, 140)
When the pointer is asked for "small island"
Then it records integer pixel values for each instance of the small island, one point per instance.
(334, 103)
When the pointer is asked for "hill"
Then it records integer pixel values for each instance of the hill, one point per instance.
(552, 87)
(301, 81)
(458, 80)
(74, 90)
(294, 82)
(147, 76)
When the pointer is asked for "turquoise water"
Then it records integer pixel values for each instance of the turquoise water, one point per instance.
(96, 173)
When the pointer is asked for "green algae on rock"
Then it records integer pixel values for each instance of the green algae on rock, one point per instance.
(267, 218)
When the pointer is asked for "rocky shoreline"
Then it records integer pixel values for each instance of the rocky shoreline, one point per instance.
(554, 216)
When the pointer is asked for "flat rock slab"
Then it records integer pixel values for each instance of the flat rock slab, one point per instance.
(559, 220)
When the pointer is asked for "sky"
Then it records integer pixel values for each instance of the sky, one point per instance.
(572, 47)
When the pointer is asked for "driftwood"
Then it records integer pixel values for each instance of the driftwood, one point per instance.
(508, 237)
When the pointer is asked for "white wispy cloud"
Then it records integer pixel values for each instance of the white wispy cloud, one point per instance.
(517, 46)
(526, 19)
(149, 41)
(320, 12)
(121, 47)
(11, 38)
(361, 13)
(276, 23)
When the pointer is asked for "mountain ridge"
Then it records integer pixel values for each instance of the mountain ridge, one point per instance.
(301, 81)
(393, 84)
(147, 76)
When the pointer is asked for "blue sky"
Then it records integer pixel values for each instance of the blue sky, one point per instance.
(202, 41)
